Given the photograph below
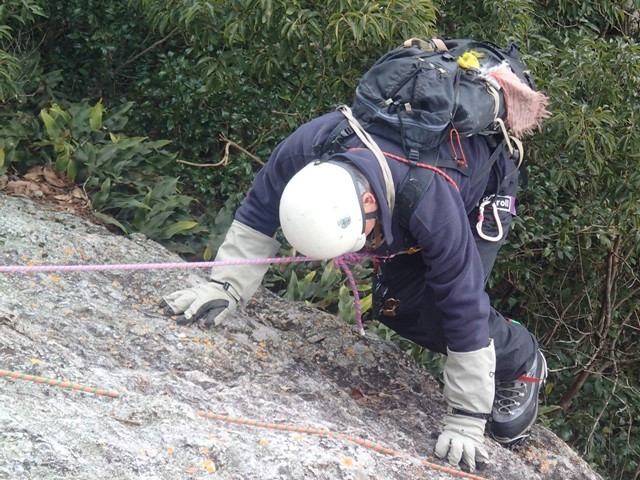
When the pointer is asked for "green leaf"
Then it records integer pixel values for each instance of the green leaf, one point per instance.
(100, 197)
(292, 293)
(111, 221)
(177, 227)
(346, 306)
(61, 163)
(95, 119)
(59, 112)
(71, 170)
(53, 131)
(365, 303)
(544, 410)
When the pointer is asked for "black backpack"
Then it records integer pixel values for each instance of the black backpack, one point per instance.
(416, 94)
(419, 94)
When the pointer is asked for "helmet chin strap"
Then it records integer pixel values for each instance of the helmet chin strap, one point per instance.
(369, 216)
(375, 239)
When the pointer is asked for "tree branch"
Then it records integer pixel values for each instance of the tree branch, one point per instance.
(603, 325)
(225, 158)
(151, 47)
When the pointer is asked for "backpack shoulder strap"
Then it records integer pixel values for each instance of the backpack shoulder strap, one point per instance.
(488, 164)
(334, 142)
(410, 193)
(419, 178)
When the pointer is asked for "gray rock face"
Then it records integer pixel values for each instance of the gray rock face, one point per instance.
(273, 362)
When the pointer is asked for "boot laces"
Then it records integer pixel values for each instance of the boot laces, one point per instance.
(508, 394)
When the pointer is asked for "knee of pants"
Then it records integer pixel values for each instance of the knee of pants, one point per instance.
(411, 313)
(515, 346)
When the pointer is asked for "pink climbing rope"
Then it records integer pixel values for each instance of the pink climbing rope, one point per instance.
(340, 262)
(145, 266)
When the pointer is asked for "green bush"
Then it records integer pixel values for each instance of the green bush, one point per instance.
(121, 174)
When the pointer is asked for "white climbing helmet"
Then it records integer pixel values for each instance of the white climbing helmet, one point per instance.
(321, 211)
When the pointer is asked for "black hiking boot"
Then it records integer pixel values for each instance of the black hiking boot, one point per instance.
(515, 406)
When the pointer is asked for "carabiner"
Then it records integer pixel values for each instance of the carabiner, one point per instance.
(496, 217)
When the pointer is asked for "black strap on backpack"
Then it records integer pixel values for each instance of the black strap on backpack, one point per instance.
(334, 143)
(412, 190)
(419, 179)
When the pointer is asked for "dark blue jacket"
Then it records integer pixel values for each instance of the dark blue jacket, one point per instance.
(439, 225)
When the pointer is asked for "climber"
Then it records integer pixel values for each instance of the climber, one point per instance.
(435, 297)
(336, 187)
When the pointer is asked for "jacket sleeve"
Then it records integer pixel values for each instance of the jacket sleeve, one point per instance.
(455, 273)
(260, 208)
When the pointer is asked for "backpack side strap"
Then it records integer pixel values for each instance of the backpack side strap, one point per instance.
(483, 171)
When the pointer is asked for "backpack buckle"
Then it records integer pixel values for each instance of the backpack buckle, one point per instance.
(416, 42)
(414, 157)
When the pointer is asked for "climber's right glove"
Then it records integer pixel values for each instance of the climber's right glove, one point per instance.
(469, 388)
(209, 303)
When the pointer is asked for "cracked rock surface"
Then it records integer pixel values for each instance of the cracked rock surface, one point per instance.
(324, 389)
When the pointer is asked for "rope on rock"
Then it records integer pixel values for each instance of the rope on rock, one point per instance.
(59, 383)
(239, 421)
(339, 262)
(328, 433)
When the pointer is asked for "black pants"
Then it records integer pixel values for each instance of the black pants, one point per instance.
(417, 317)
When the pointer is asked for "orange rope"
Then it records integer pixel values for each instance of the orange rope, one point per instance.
(253, 423)
(454, 133)
(58, 383)
(359, 441)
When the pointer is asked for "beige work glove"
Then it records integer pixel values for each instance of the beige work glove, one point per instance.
(209, 303)
(469, 388)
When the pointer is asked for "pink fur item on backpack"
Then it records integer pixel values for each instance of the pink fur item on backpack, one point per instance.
(525, 108)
